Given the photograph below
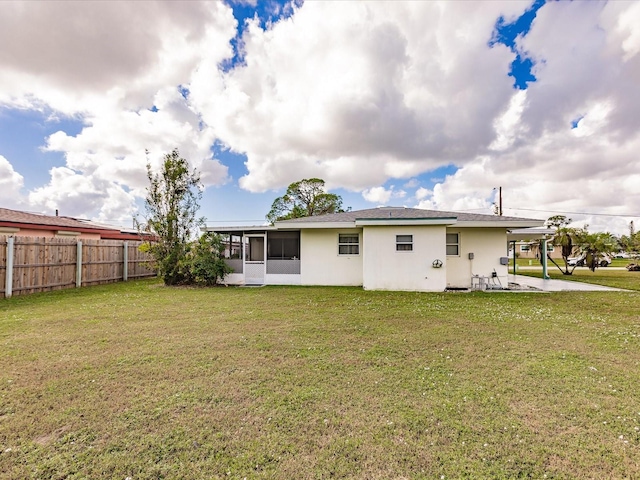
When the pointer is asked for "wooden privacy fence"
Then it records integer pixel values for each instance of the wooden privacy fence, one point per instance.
(37, 264)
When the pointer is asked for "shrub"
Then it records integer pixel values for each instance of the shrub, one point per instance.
(204, 263)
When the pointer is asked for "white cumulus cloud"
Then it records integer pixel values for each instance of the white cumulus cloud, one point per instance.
(387, 90)
(11, 183)
(123, 68)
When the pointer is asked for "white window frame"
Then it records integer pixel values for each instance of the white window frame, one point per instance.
(525, 248)
(450, 244)
(404, 242)
(348, 244)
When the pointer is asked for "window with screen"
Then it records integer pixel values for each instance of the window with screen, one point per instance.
(348, 244)
(404, 243)
(453, 244)
(283, 245)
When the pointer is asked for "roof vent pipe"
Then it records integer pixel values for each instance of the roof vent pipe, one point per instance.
(56, 212)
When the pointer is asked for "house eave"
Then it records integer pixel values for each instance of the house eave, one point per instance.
(239, 229)
(524, 234)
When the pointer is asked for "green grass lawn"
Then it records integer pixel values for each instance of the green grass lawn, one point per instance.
(602, 276)
(136, 380)
(533, 262)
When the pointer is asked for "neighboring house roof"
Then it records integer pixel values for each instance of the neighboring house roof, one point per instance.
(35, 221)
(402, 215)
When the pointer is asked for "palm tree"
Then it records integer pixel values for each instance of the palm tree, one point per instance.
(594, 246)
(565, 238)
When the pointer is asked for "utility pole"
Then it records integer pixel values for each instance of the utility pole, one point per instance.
(497, 207)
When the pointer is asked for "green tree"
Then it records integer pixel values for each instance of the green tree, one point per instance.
(557, 221)
(171, 204)
(630, 243)
(305, 198)
(204, 263)
(564, 237)
(594, 246)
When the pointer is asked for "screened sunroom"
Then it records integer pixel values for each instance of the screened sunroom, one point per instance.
(262, 255)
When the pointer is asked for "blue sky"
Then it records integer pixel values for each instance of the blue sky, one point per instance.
(419, 105)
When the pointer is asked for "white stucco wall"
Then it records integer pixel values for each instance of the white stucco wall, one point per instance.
(487, 246)
(320, 263)
(234, 279)
(384, 268)
(280, 279)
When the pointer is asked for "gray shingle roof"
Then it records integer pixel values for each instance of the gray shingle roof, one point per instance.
(403, 213)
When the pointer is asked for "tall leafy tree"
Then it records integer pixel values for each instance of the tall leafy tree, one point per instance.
(171, 204)
(305, 198)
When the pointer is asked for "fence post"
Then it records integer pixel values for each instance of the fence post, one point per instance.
(79, 264)
(8, 283)
(125, 267)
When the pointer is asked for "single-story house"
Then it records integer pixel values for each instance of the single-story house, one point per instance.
(386, 248)
(18, 223)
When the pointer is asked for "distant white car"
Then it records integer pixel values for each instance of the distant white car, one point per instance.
(580, 261)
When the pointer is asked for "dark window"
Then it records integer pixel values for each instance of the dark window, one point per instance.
(404, 243)
(255, 249)
(453, 244)
(232, 246)
(348, 244)
(283, 245)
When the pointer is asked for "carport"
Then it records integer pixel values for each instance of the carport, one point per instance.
(530, 234)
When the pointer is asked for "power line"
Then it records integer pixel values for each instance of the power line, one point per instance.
(578, 213)
(241, 220)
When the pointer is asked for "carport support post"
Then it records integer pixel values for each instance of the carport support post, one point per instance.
(544, 259)
(8, 283)
(515, 270)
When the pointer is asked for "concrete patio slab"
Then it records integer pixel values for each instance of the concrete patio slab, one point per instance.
(559, 285)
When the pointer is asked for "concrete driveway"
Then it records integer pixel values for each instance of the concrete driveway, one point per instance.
(558, 285)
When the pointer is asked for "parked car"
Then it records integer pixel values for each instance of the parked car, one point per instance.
(581, 261)
(623, 255)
